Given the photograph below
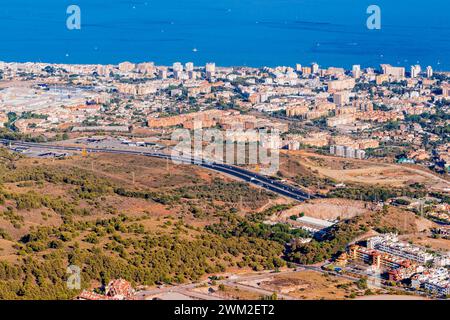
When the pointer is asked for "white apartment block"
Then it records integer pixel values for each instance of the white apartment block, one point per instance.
(390, 244)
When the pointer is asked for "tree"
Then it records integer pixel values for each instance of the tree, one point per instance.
(273, 296)
(362, 283)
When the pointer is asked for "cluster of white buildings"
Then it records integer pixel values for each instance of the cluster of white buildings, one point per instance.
(435, 279)
(389, 243)
(129, 93)
(347, 152)
(26, 99)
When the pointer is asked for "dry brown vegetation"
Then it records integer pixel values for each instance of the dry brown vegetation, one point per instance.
(310, 285)
(328, 209)
(360, 171)
(116, 216)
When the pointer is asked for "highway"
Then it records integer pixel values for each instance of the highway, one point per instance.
(256, 179)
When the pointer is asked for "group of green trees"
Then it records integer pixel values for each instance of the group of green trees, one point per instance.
(126, 250)
(233, 226)
(334, 241)
(436, 123)
(307, 180)
(231, 192)
(375, 193)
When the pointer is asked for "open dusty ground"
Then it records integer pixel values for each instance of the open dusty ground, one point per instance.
(231, 292)
(425, 241)
(307, 285)
(365, 171)
(7, 252)
(405, 221)
(328, 209)
(143, 171)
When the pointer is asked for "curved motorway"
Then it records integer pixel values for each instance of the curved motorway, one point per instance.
(267, 183)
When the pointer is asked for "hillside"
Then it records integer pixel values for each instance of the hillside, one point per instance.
(152, 222)
(116, 216)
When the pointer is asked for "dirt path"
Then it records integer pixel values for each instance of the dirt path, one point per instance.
(370, 172)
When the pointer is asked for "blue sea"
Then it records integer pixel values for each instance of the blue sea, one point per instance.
(228, 32)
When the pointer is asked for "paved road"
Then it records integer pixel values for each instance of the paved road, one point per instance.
(267, 183)
(188, 289)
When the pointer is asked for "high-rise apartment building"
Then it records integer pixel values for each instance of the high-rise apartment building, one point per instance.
(429, 72)
(189, 66)
(126, 66)
(396, 72)
(415, 71)
(341, 98)
(162, 74)
(177, 66)
(356, 71)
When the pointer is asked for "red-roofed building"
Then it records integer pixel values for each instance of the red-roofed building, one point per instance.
(115, 290)
(119, 288)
